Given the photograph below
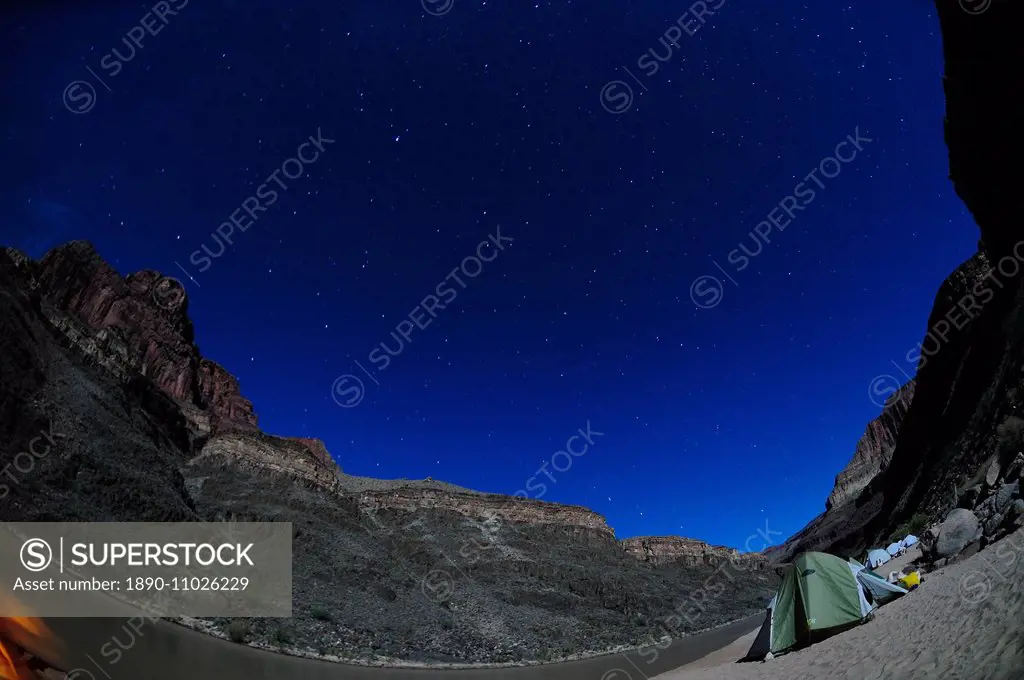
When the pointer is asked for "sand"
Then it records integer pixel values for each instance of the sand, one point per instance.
(965, 622)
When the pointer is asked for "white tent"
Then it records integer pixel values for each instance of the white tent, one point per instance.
(910, 540)
(881, 591)
(878, 557)
(894, 549)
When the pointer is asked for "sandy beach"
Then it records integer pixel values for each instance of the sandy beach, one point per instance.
(963, 623)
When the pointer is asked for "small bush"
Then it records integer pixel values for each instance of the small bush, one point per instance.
(282, 636)
(238, 631)
(916, 525)
(321, 614)
(1010, 435)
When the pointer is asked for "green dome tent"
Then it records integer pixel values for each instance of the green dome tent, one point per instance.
(820, 595)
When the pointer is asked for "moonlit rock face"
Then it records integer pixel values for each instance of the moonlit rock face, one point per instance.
(874, 450)
(138, 324)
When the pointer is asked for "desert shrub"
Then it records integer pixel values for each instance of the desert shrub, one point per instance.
(916, 525)
(238, 631)
(282, 636)
(321, 614)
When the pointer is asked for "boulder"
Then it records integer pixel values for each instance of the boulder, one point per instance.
(1006, 495)
(993, 512)
(927, 539)
(960, 528)
(992, 473)
(1016, 513)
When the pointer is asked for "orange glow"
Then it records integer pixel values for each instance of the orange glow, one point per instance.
(22, 630)
(9, 668)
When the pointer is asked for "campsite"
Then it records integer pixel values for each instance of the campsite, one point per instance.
(962, 621)
(878, 556)
(820, 595)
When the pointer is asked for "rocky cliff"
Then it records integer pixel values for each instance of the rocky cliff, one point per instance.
(660, 550)
(925, 458)
(970, 376)
(874, 449)
(576, 519)
(135, 324)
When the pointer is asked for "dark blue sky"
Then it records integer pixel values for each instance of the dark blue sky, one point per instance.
(446, 129)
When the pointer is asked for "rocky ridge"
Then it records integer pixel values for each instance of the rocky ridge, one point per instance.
(139, 324)
(660, 550)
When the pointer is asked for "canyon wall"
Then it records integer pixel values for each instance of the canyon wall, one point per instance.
(874, 449)
(136, 324)
(503, 508)
(660, 550)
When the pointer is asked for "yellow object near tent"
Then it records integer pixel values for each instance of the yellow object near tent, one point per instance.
(911, 580)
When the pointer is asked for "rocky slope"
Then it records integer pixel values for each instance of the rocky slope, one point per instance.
(101, 379)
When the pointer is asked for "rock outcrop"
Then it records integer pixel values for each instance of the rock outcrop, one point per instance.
(874, 450)
(256, 451)
(572, 518)
(660, 550)
(317, 449)
(135, 324)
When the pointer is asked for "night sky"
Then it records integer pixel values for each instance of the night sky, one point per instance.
(438, 127)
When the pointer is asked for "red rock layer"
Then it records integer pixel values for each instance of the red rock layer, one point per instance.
(148, 314)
